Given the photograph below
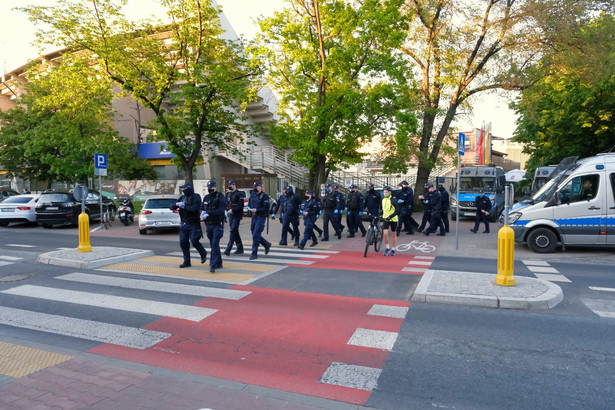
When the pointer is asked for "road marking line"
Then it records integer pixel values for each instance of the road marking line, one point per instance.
(6, 263)
(297, 255)
(398, 312)
(82, 329)
(542, 269)
(192, 313)
(10, 258)
(602, 289)
(602, 308)
(262, 258)
(416, 270)
(424, 257)
(156, 286)
(422, 263)
(552, 278)
(350, 375)
(377, 339)
(18, 245)
(536, 263)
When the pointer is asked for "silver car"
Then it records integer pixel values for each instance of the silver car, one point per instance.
(156, 214)
(19, 208)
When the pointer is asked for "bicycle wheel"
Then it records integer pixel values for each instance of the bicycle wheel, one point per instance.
(378, 239)
(369, 239)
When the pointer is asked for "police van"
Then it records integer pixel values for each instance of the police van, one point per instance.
(490, 178)
(575, 207)
(541, 176)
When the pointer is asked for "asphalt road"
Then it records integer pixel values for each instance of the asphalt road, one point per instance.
(305, 329)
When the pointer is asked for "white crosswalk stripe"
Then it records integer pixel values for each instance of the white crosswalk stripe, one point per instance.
(543, 270)
(277, 255)
(111, 329)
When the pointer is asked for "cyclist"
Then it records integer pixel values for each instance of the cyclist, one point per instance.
(389, 213)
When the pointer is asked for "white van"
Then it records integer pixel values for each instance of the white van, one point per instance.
(575, 207)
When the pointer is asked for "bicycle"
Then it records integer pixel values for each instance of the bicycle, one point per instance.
(374, 235)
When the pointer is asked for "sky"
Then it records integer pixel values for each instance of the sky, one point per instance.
(17, 37)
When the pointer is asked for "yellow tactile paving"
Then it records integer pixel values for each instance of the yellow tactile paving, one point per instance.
(250, 267)
(18, 361)
(193, 272)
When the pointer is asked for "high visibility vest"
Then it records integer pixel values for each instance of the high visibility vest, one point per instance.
(388, 209)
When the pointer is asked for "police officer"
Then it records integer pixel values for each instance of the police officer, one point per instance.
(288, 205)
(259, 206)
(339, 211)
(426, 211)
(355, 206)
(309, 210)
(446, 206)
(214, 208)
(373, 202)
(234, 206)
(483, 206)
(405, 199)
(331, 208)
(189, 205)
(434, 203)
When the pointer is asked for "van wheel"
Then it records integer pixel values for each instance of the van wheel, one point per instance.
(453, 216)
(542, 240)
(143, 231)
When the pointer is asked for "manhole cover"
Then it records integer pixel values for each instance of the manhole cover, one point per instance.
(14, 278)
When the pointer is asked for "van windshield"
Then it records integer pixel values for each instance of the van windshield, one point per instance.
(475, 184)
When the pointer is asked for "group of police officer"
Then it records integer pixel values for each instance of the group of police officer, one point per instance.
(216, 207)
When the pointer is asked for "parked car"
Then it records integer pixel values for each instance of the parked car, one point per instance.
(156, 214)
(18, 208)
(6, 193)
(60, 207)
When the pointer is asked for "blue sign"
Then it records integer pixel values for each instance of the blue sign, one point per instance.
(462, 143)
(100, 164)
(155, 150)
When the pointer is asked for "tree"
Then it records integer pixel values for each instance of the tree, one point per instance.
(568, 110)
(63, 119)
(183, 70)
(466, 47)
(339, 79)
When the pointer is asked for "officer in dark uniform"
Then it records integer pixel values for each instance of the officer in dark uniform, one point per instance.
(309, 210)
(373, 202)
(289, 214)
(330, 205)
(483, 206)
(405, 200)
(426, 213)
(214, 208)
(446, 206)
(259, 206)
(189, 205)
(234, 206)
(355, 205)
(434, 203)
(320, 208)
(339, 211)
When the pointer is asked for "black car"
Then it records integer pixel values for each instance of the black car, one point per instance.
(60, 207)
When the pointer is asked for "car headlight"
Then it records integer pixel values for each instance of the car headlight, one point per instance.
(453, 201)
(514, 217)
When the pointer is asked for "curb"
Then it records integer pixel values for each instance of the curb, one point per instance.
(479, 289)
(99, 256)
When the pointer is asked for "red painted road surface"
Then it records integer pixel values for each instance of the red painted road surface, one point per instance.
(375, 262)
(274, 338)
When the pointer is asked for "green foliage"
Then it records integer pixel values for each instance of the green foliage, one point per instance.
(180, 69)
(62, 120)
(328, 61)
(569, 109)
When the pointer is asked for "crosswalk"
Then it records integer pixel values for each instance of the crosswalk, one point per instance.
(8, 260)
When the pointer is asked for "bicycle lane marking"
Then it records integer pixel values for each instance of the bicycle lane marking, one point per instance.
(355, 261)
(321, 345)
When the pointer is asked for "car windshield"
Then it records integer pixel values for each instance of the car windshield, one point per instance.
(56, 197)
(475, 184)
(18, 200)
(159, 203)
(559, 174)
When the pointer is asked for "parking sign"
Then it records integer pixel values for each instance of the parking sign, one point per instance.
(100, 164)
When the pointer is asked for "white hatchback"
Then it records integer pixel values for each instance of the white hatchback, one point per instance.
(18, 208)
(156, 214)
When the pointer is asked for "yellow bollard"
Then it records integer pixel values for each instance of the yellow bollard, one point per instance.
(506, 257)
(84, 233)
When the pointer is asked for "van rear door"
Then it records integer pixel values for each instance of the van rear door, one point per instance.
(609, 221)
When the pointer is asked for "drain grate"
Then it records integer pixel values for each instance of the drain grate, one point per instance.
(15, 278)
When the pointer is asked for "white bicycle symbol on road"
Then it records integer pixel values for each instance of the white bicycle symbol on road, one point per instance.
(424, 247)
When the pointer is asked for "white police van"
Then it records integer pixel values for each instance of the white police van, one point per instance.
(575, 207)
(474, 178)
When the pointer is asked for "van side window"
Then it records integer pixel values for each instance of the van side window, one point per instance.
(613, 184)
(581, 188)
